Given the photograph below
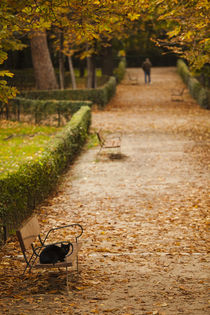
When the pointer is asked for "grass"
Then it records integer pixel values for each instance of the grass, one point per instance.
(21, 142)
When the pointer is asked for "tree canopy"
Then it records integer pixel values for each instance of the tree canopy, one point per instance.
(188, 29)
(185, 25)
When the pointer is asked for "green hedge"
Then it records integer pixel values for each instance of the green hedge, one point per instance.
(24, 79)
(119, 72)
(99, 96)
(39, 110)
(198, 92)
(21, 191)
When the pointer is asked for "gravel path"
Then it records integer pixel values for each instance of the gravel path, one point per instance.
(145, 214)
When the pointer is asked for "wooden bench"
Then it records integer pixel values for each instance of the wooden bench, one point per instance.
(177, 94)
(133, 78)
(110, 142)
(32, 244)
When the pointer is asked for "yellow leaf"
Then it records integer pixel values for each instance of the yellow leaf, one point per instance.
(182, 288)
(164, 304)
(80, 288)
(95, 311)
(133, 16)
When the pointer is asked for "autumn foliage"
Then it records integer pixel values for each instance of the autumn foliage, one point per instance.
(89, 24)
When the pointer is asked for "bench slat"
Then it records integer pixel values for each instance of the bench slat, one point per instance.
(28, 233)
(68, 261)
(109, 142)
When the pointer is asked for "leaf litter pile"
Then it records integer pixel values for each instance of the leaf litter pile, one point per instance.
(145, 216)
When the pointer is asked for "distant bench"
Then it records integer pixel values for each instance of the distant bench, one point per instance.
(177, 94)
(109, 142)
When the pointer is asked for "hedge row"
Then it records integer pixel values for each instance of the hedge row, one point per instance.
(25, 80)
(198, 92)
(23, 190)
(99, 96)
(119, 72)
(39, 110)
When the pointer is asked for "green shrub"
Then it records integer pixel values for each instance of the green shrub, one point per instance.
(99, 96)
(119, 72)
(183, 70)
(203, 75)
(24, 79)
(199, 93)
(39, 110)
(204, 98)
(21, 191)
(194, 87)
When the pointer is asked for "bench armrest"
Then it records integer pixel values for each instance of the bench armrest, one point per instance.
(117, 135)
(102, 138)
(177, 91)
(64, 227)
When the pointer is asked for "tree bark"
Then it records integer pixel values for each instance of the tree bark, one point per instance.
(91, 69)
(72, 74)
(107, 61)
(43, 68)
(82, 66)
(61, 63)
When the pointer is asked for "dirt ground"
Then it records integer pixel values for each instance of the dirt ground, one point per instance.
(145, 213)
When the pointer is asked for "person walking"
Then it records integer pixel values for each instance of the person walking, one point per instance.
(146, 66)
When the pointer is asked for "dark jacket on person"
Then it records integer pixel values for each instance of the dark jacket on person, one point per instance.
(146, 65)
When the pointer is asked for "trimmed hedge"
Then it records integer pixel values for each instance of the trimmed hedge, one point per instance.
(99, 96)
(183, 70)
(39, 110)
(198, 92)
(119, 72)
(21, 191)
(24, 79)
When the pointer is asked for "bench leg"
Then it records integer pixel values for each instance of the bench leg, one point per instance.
(77, 264)
(100, 150)
(67, 280)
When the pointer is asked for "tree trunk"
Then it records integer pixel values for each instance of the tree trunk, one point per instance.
(82, 66)
(61, 63)
(43, 68)
(107, 61)
(89, 72)
(91, 69)
(72, 74)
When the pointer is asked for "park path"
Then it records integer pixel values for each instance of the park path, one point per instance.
(145, 214)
